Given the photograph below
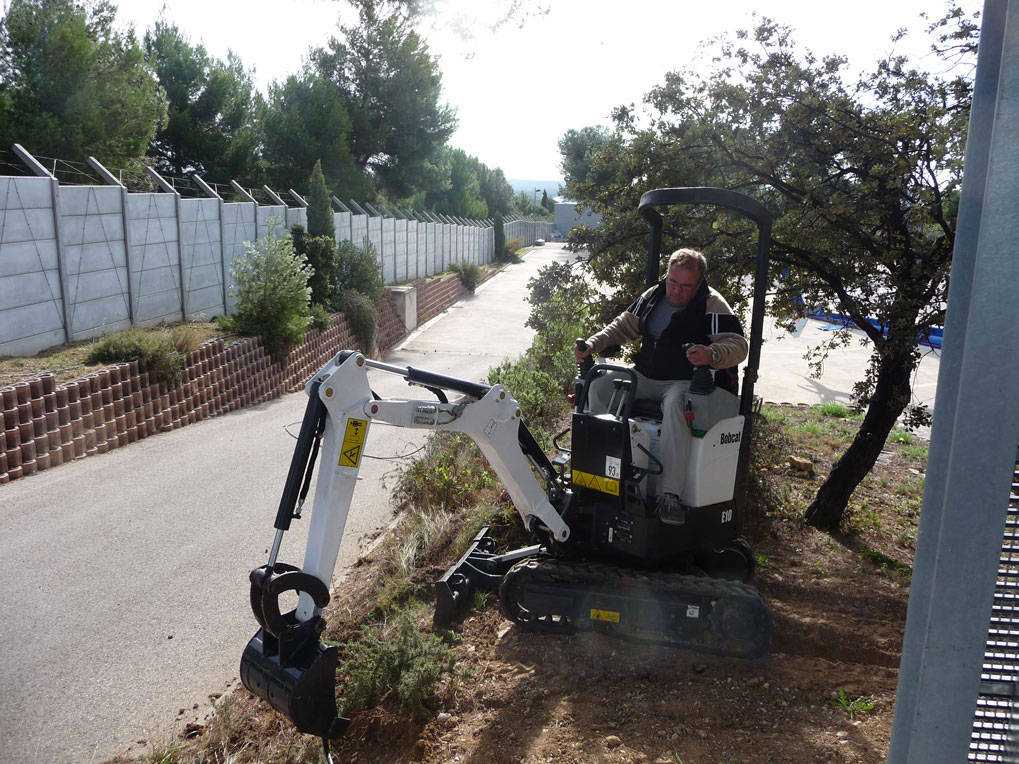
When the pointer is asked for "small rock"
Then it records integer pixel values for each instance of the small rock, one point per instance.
(503, 632)
(613, 741)
(700, 668)
(215, 696)
(169, 636)
(801, 464)
(443, 718)
(841, 734)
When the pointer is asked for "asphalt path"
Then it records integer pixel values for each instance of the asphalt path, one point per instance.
(125, 590)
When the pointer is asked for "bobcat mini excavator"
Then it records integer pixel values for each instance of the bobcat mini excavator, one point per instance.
(601, 558)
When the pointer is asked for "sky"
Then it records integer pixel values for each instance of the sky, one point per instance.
(517, 90)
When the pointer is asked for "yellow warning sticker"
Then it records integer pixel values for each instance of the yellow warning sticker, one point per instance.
(604, 615)
(597, 482)
(353, 442)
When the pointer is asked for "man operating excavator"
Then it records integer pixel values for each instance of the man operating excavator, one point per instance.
(692, 326)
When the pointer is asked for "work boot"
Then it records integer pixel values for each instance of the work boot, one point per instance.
(670, 511)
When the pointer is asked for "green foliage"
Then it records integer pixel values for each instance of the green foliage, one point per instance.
(459, 192)
(863, 177)
(860, 705)
(509, 252)
(72, 86)
(468, 273)
(500, 237)
(303, 121)
(901, 436)
(834, 410)
(358, 269)
(210, 128)
(324, 260)
(541, 377)
(362, 317)
(321, 318)
(320, 206)
(273, 297)
(392, 88)
(394, 657)
(160, 353)
(449, 475)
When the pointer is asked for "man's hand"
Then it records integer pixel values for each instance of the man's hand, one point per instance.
(579, 354)
(699, 355)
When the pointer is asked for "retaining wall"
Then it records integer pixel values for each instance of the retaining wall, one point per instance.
(46, 423)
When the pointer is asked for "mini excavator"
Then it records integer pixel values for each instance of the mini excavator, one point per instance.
(601, 558)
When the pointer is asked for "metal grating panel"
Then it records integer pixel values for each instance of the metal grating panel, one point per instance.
(995, 722)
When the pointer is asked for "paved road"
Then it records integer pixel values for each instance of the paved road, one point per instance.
(125, 576)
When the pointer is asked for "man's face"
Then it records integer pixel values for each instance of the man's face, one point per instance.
(681, 285)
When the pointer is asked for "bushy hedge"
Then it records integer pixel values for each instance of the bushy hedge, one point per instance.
(273, 296)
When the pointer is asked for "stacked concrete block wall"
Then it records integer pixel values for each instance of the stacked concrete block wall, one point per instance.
(46, 424)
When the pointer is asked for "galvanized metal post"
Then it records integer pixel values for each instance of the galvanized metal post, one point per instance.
(976, 427)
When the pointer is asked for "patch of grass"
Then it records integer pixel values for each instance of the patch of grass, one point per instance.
(859, 705)
(917, 451)
(900, 436)
(910, 487)
(161, 352)
(810, 428)
(451, 473)
(833, 410)
(67, 362)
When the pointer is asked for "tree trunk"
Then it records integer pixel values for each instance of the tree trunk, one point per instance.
(891, 395)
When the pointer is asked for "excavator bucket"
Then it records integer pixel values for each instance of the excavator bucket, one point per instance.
(299, 683)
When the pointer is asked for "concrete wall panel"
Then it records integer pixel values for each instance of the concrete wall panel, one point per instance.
(89, 200)
(27, 329)
(20, 224)
(358, 229)
(265, 214)
(26, 257)
(25, 193)
(341, 222)
(98, 316)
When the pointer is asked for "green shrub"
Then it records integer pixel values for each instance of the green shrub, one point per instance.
(357, 268)
(362, 316)
(322, 258)
(449, 475)
(468, 273)
(321, 318)
(320, 209)
(396, 657)
(500, 238)
(510, 251)
(273, 297)
(161, 353)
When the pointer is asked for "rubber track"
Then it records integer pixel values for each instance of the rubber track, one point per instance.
(610, 579)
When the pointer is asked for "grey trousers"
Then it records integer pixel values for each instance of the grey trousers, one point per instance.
(674, 446)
